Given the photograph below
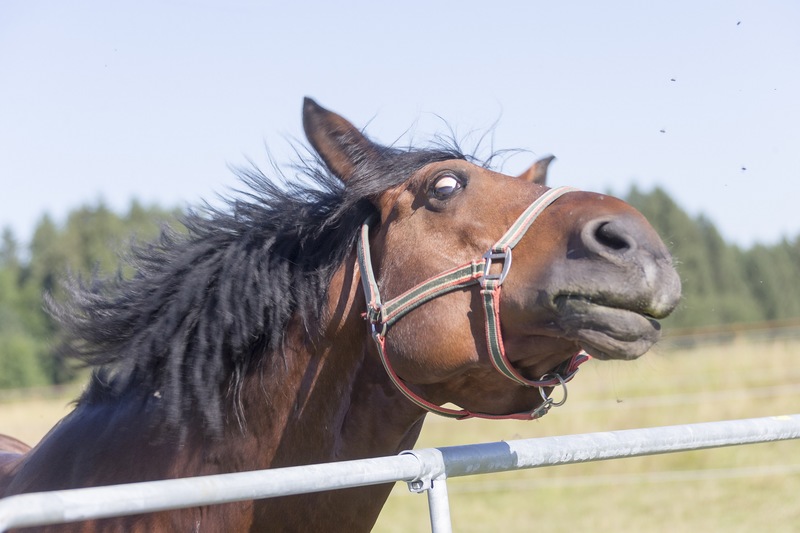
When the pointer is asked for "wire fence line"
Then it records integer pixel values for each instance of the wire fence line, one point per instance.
(787, 329)
(425, 470)
(694, 398)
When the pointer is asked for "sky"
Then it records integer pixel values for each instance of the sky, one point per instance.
(109, 101)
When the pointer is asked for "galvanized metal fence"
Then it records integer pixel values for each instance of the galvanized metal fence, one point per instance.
(424, 470)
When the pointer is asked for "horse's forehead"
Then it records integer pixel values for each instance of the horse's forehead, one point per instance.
(453, 164)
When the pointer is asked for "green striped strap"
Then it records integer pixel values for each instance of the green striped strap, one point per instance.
(497, 354)
(371, 292)
(452, 280)
(490, 292)
(512, 237)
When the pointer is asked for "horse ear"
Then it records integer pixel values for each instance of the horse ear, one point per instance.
(340, 145)
(538, 171)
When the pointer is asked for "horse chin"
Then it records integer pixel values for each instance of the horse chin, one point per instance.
(607, 332)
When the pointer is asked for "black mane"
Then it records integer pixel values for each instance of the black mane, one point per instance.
(206, 306)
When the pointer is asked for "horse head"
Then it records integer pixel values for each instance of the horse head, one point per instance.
(589, 274)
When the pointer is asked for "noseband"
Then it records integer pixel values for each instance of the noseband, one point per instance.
(381, 316)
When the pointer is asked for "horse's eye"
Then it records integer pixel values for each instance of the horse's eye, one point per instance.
(445, 186)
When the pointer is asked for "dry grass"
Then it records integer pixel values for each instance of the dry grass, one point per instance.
(29, 414)
(730, 489)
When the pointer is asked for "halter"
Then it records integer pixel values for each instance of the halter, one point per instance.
(381, 316)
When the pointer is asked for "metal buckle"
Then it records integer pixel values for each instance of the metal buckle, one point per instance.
(374, 316)
(542, 410)
(489, 257)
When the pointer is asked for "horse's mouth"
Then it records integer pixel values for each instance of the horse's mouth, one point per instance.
(606, 331)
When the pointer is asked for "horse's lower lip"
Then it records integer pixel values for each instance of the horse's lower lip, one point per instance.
(606, 332)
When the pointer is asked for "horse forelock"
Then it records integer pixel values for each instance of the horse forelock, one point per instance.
(212, 304)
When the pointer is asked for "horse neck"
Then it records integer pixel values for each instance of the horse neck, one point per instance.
(328, 398)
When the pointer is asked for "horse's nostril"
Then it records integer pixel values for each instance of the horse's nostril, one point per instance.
(610, 237)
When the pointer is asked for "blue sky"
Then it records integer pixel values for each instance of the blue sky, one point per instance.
(154, 100)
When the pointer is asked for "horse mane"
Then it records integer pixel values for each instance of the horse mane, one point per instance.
(208, 306)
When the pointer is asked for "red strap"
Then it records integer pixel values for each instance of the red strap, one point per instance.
(463, 414)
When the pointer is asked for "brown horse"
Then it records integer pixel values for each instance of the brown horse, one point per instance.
(250, 343)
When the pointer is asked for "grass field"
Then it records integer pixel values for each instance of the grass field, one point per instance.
(729, 489)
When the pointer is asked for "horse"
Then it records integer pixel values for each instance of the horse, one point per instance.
(322, 319)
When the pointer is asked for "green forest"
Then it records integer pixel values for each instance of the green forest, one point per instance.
(92, 239)
(722, 283)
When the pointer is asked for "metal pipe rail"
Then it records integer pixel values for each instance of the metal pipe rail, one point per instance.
(425, 471)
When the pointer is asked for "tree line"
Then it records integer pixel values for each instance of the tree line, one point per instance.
(722, 282)
(91, 240)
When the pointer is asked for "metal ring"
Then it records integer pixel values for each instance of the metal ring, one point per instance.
(561, 382)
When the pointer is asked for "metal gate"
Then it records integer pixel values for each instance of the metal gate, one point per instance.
(424, 470)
